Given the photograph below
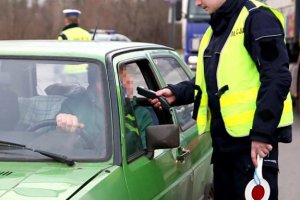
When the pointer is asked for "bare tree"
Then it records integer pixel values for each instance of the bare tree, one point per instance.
(140, 20)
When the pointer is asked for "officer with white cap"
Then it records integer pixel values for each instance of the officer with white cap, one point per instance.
(72, 31)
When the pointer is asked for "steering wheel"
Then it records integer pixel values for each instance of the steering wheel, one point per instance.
(41, 124)
(52, 122)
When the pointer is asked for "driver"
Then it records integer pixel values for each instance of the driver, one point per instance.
(84, 110)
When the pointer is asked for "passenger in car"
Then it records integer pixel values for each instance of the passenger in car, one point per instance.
(142, 115)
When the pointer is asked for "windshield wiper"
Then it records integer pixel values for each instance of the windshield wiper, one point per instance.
(56, 157)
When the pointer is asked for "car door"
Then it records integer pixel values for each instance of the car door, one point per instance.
(164, 176)
(172, 70)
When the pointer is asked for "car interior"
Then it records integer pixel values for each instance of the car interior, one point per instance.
(31, 95)
(9, 106)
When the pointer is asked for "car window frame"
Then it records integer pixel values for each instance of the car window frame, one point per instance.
(187, 71)
(151, 80)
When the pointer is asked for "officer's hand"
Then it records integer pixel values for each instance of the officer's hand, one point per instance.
(68, 122)
(167, 93)
(261, 149)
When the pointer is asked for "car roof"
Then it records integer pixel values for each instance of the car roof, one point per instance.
(87, 49)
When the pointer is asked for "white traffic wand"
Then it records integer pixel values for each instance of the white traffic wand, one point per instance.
(258, 188)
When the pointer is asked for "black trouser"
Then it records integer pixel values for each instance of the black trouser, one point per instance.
(233, 171)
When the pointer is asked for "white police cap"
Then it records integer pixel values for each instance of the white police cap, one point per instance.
(71, 12)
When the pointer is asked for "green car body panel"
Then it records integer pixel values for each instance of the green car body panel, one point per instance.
(39, 180)
(117, 175)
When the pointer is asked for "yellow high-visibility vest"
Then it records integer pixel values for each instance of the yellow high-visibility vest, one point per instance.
(237, 70)
(75, 33)
(76, 68)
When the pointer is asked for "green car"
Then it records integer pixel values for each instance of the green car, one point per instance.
(117, 146)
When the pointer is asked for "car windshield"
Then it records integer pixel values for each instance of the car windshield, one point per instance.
(34, 91)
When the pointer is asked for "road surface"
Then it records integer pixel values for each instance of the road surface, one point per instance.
(289, 164)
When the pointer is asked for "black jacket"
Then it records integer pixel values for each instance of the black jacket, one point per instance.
(264, 40)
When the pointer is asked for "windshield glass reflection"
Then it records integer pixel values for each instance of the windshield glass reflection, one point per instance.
(34, 92)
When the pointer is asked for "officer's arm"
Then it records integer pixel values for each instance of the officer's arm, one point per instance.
(183, 91)
(265, 43)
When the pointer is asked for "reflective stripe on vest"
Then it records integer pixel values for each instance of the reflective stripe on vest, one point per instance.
(76, 33)
(238, 104)
(75, 68)
(130, 124)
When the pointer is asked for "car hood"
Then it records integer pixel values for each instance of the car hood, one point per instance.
(47, 181)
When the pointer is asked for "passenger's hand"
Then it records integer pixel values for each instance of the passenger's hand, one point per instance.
(261, 149)
(68, 122)
(167, 93)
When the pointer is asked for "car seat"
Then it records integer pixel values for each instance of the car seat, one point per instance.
(9, 107)
(38, 108)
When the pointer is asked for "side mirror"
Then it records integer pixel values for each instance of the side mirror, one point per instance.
(161, 137)
(178, 10)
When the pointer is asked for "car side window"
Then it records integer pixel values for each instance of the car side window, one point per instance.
(173, 73)
(138, 115)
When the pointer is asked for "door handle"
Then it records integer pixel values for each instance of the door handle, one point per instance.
(182, 154)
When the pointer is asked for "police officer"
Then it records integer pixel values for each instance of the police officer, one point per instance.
(72, 31)
(243, 82)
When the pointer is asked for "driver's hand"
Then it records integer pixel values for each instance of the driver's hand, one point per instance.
(68, 122)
